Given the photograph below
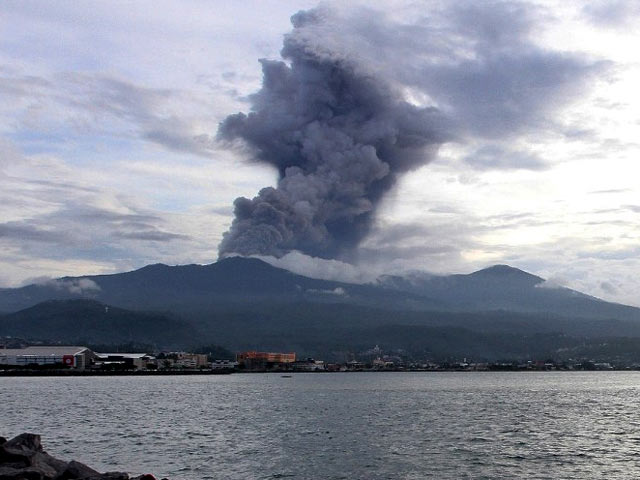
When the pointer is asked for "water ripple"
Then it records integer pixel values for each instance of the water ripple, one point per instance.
(338, 426)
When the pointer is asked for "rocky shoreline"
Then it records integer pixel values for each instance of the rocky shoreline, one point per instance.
(22, 458)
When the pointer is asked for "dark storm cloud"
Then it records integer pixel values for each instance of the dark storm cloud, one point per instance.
(338, 136)
(334, 120)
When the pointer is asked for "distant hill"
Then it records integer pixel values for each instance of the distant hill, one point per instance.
(188, 288)
(325, 331)
(502, 287)
(243, 303)
(198, 287)
(320, 329)
(87, 321)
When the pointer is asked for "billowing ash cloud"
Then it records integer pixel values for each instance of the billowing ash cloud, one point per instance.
(339, 137)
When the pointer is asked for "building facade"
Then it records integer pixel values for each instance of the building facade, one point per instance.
(77, 357)
(139, 361)
(264, 360)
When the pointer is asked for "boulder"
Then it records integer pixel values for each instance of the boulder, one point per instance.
(24, 452)
(75, 469)
(22, 458)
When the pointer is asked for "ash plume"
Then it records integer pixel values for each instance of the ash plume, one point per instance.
(339, 137)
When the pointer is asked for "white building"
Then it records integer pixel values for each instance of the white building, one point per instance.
(186, 360)
(224, 365)
(68, 356)
(131, 360)
(309, 365)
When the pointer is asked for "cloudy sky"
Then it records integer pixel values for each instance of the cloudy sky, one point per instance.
(110, 157)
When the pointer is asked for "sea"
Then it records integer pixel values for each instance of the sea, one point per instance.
(455, 425)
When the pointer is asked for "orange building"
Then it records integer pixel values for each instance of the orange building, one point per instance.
(263, 359)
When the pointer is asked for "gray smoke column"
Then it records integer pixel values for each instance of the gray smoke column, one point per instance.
(338, 136)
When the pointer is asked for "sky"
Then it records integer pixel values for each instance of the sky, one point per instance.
(112, 157)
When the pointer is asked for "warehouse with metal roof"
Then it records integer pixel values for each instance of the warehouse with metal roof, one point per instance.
(77, 357)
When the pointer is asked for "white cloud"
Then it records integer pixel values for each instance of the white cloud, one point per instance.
(553, 283)
(321, 268)
(338, 291)
(78, 286)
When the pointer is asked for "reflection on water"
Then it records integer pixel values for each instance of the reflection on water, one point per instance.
(331, 426)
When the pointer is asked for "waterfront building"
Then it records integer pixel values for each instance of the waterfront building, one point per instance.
(309, 365)
(354, 365)
(183, 360)
(264, 360)
(77, 357)
(192, 360)
(125, 360)
(223, 365)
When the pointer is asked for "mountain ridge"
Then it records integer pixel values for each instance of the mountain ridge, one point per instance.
(89, 321)
(240, 280)
(247, 304)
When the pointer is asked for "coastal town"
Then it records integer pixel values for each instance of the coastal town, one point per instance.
(81, 360)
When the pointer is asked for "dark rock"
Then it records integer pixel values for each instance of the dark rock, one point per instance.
(22, 458)
(10, 459)
(25, 452)
(25, 444)
(76, 470)
(110, 476)
(48, 465)
(9, 473)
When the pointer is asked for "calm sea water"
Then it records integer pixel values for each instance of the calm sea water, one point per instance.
(337, 426)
